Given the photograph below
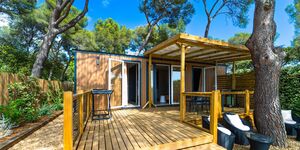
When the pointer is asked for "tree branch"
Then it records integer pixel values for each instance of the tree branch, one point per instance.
(75, 20)
(60, 19)
(205, 8)
(213, 7)
(147, 18)
(220, 8)
(64, 4)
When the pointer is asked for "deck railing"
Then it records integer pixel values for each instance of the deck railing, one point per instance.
(77, 109)
(215, 107)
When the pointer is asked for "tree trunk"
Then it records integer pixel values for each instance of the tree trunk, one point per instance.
(267, 62)
(146, 39)
(207, 28)
(65, 69)
(42, 55)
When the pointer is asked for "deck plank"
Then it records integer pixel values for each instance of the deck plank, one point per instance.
(96, 138)
(150, 141)
(89, 141)
(155, 128)
(129, 135)
(123, 133)
(101, 137)
(132, 128)
(147, 130)
(107, 137)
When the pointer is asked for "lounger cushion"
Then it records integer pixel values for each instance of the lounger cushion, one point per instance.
(237, 122)
(224, 130)
(287, 117)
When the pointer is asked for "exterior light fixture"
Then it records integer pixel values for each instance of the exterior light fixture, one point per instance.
(97, 60)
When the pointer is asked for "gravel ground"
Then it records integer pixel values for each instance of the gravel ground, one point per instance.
(49, 137)
(293, 145)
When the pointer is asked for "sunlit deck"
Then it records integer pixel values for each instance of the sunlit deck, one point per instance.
(157, 128)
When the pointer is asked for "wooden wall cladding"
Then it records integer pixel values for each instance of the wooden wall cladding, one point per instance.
(89, 75)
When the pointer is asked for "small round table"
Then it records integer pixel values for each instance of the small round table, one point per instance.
(258, 141)
(298, 133)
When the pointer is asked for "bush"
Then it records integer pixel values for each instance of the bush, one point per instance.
(28, 102)
(19, 111)
(25, 98)
(45, 110)
(289, 89)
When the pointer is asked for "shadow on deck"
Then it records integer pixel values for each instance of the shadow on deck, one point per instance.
(156, 128)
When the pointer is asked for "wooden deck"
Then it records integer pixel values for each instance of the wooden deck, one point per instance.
(156, 128)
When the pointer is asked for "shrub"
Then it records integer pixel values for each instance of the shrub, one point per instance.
(19, 111)
(45, 110)
(289, 89)
(5, 127)
(25, 98)
(54, 95)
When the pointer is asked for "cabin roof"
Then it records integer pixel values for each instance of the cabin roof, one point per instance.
(199, 50)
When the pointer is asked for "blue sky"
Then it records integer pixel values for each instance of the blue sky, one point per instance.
(126, 12)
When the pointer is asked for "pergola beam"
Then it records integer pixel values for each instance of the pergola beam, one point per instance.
(234, 59)
(202, 52)
(171, 52)
(222, 57)
(212, 54)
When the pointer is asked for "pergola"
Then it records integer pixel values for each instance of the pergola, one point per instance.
(196, 49)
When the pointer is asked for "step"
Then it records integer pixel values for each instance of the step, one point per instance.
(210, 146)
(182, 144)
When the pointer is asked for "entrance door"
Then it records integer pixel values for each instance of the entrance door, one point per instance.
(175, 84)
(115, 81)
(124, 79)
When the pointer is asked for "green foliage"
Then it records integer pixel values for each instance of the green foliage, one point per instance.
(111, 37)
(14, 61)
(245, 65)
(292, 55)
(159, 34)
(45, 110)
(28, 102)
(289, 89)
(54, 95)
(20, 42)
(167, 11)
(293, 11)
(16, 7)
(239, 38)
(25, 98)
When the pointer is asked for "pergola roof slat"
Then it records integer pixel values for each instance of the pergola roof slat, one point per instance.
(199, 49)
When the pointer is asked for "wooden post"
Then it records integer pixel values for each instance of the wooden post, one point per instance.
(68, 120)
(214, 114)
(87, 105)
(91, 98)
(80, 109)
(182, 84)
(233, 78)
(150, 81)
(220, 104)
(247, 102)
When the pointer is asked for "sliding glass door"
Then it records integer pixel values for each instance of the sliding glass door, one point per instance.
(161, 84)
(175, 84)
